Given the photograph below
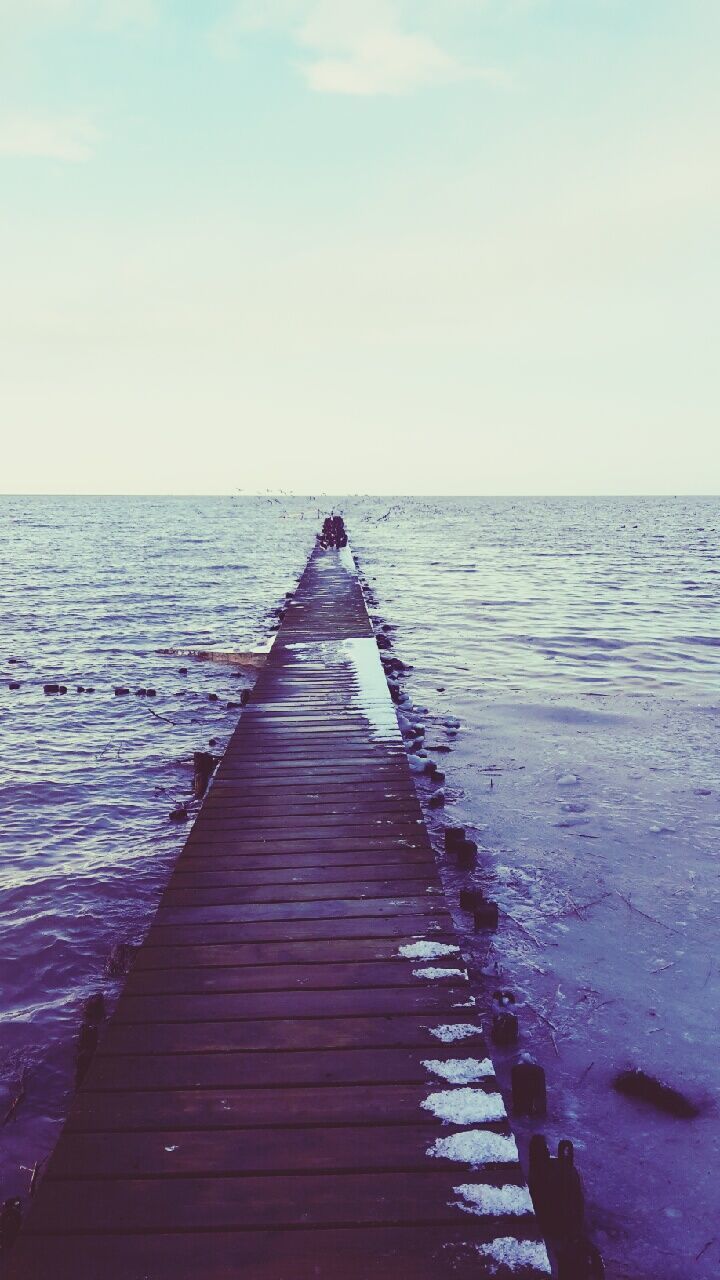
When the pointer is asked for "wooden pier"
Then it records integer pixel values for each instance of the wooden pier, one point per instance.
(294, 1084)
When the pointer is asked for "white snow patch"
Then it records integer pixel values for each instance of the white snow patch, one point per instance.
(172, 1148)
(427, 950)
(506, 1251)
(432, 972)
(451, 1031)
(460, 1070)
(346, 559)
(485, 1201)
(568, 780)
(371, 697)
(475, 1147)
(465, 1106)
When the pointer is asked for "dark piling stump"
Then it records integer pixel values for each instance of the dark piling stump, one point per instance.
(454, 838)
(204, 765)
(504, 1028)
(10, 1222)
(580, 1260)
(467, 855)
(93, 1015)
(556, 1189)
(529, 1094)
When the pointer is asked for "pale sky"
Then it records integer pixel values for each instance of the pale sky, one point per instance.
(390, 246)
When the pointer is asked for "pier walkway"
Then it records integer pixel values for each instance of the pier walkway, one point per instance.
(293, 1085)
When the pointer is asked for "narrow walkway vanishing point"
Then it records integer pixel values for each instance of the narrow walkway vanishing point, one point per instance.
(293, 1084)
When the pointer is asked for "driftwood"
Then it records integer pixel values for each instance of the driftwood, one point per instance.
(230, 657)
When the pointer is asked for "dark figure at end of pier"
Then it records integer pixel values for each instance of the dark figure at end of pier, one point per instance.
(333, 532)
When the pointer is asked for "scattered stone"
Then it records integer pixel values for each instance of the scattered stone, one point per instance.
(51, 688)
(151, 693)
(437, 799)
(120, 691)
(636, 1083)
(231, 706)
(140, 693)
(182, 671)
(212, 697)
(14, 684)
(212, 742)
(80, 688)
(91, 689)
(13, 661)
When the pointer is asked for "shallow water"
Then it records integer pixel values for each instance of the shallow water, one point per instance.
(577, 643)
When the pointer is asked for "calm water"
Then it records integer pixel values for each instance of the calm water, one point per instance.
(576, 641)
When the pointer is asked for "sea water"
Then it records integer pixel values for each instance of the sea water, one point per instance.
(566, 650)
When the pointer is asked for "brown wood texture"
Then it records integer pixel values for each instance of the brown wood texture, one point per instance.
(262, 1102)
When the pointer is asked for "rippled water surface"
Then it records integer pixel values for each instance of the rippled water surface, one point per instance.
(577, 643)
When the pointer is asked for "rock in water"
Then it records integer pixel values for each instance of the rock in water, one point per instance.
(638, 1084)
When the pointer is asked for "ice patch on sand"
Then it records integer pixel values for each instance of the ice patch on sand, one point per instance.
(451, 1031)
(493, 1201)
(427, 950)
(475, 1147)
(460, 1070)
(465, 1106)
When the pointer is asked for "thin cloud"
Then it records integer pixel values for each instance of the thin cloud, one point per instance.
(68, 138)
(360, 47)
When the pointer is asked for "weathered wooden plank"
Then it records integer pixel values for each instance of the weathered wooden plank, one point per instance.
(433, 922)
(317, 954)
(213, 1151)
(414, 1252)
(240, 1070)
(315, 891)
(216, 1204)
(432, 998)
(395, 1030)
(334, 908)
(342, 975)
